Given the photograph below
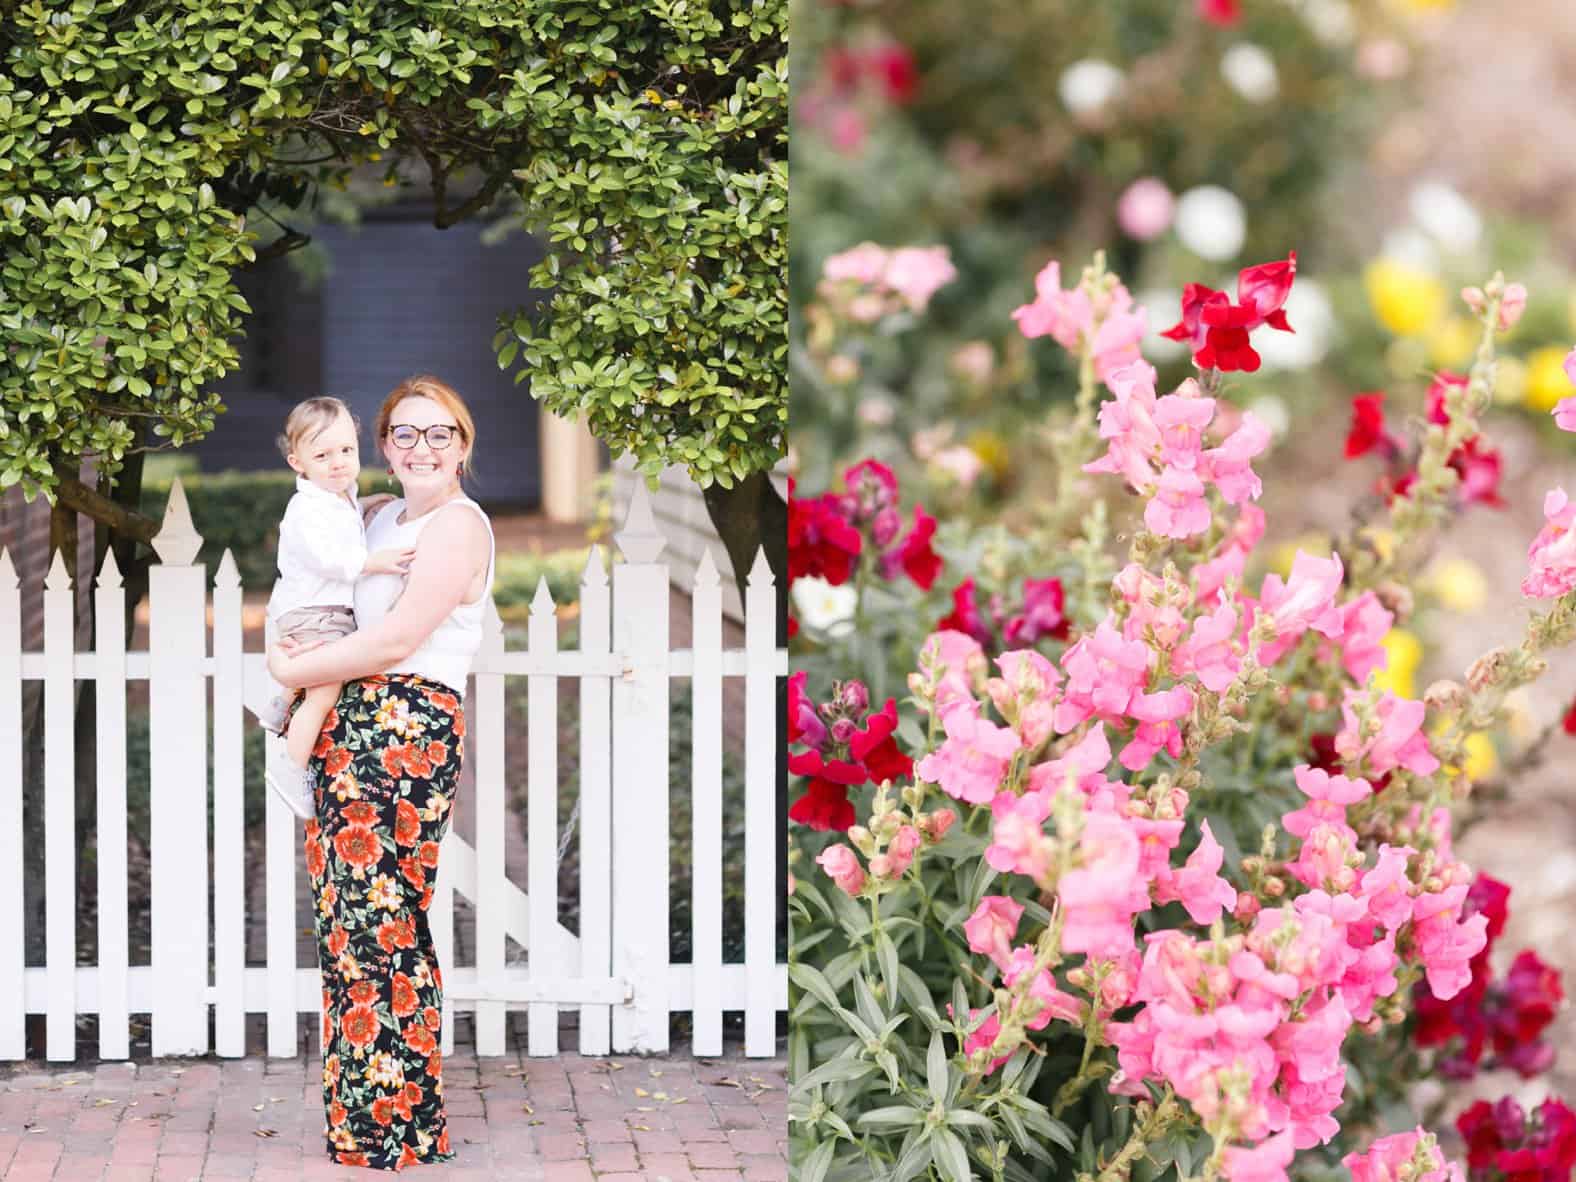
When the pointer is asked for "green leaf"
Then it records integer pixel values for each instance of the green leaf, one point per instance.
(951, 1157)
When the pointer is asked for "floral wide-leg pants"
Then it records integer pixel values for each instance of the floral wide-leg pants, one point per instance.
(387, 763)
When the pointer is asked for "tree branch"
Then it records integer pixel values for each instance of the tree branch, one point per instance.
(279, 247)
(73, 494)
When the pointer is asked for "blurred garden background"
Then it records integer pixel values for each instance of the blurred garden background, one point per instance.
(1403, 149)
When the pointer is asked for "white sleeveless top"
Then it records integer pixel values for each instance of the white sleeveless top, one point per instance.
(447, 653)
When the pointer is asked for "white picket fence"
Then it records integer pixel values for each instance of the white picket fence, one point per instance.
(616, 970)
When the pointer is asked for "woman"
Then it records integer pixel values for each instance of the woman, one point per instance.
(386, 764)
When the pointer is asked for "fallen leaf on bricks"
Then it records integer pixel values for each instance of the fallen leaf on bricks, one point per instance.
(265, 1132)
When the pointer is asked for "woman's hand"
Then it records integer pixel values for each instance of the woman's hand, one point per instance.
(393, 561)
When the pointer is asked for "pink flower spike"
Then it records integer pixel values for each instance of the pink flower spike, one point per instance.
(1064, 315)
(1157, 716)
(1328, 797)
(992, 926)
(1551, 557)
(1101, 897)
(1207, 652)
(1306, 599)
(1565, 409)
(1228, 465)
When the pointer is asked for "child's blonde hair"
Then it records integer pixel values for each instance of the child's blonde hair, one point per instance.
(310, 417)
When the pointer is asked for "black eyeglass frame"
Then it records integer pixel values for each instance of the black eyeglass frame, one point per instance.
(421, 433)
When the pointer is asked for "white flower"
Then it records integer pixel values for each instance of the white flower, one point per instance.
(1167, 303)
(1088, 85)
(1271, 409)
(1309, 311)
(1411, 248)
(1447, 215)
(1250, 71)
(1331, 21)
(1211, 222)
(824, 607)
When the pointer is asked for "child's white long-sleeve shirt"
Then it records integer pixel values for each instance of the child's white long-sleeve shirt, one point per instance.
(322, 548)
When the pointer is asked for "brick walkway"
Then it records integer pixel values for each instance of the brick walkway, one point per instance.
(569, 1119)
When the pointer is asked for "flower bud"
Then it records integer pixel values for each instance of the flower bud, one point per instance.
(885, 527)
(1445, 696)
(853, 696)
(1318, 700)
(913, 796)
(843, 729)
(937, 824)
(1274, 887)
(1487, 670)
(881, 866)
(1247, 907)
(863, 840)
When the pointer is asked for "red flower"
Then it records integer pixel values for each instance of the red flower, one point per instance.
(338, 938)
(874, 747)
(1042, 615)
(821, 543)
(336, 761)
(920, 562)
(360, 1026)
(396, 933)
(1479, 468)
(435, 1068)
(413, 872)
(359, 812)
(363, 993)
(893, 66)
(407, 823)
(965, 615)
(446, 702)
(404, 997)
(824, 806)
(1217, 330)
(345, 1158)
(1438, 390)
(407, 1155)
(419, 1039)
(316, 859)
(432, 1017)
(437, 753)
(1220, 12)
(1569, 722)
(1367, 430)
(383, 1111)
(336, 1114)
(358, 846)
(427, 853)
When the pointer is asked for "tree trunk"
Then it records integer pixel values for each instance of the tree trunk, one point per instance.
(747, 516)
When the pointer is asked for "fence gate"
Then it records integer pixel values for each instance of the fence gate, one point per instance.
(615, 971)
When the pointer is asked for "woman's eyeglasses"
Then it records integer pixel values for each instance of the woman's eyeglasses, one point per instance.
(438, 436)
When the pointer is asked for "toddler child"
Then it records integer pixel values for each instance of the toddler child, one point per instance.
(322, 551)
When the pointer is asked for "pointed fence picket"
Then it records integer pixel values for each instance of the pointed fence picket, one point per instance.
(613, 972)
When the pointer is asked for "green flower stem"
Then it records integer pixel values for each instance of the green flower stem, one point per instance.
(1144, 1135)
(1094, 1036)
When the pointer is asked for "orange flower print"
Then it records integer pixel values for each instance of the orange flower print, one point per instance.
(432, 1017)
(316, 859)
(413, 872)
(337, 761)
(448, 703)
(443, 1140)
(328, 1026)
(338, 938)
(358, 847)
(396, 933)
(336, 1114)
(407, 824)
(428, 853)
(405, 1000)
(363, 993)
(360, 1026)
(350, 1159)
(420, 1040)
(413, 1093)
(437, 753)
(383, 1111)
(407, 1157)
(359, 813)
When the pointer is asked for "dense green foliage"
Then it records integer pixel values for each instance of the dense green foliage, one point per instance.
(647, 141)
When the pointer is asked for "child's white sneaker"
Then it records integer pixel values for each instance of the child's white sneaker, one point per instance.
(295, 786)
(273, 716)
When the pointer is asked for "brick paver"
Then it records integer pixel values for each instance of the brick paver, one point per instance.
(567, 1119)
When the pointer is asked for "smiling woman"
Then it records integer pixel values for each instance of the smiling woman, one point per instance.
(385, 768)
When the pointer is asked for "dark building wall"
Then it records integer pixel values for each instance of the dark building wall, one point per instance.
(401, 297)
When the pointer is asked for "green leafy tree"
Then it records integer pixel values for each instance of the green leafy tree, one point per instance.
(646, 142)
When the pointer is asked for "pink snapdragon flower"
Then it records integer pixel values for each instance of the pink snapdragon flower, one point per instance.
(1307, 598)
(1178, 508)
(992, 926)
(1364, 624)
(1127, 424)
(842, 866)
(959, 660)
(1399, 742)
(1230, 559)
(1104, 671)
(1157, 716)
(1025, 694)
(1228, 466)
(1552, 556)
(972, 763)
(1052, 1002)
(1019, 843)
(1445, 942)
(1203, 893)
(985, 1036)
(1565, 411)
(1208, 653)
(1109, 325)
(1103, 894)
(1264, 1162)
(1390, 1159)
(1327, 796)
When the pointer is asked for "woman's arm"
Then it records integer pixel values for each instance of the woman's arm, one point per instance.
(450, 551)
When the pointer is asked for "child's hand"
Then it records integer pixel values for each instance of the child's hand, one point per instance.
(393, 561)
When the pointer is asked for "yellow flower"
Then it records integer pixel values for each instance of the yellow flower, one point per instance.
(1407, 301)
(1546, 380)
(1482, 761)
(1459, 584)
(1510, 381)
(992, 452)
(1403, 653)
(1452, 342)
